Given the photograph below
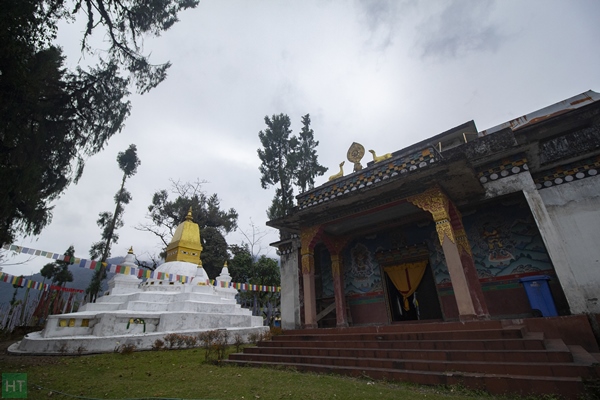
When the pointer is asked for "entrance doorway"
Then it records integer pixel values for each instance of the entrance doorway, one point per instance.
(422, 304)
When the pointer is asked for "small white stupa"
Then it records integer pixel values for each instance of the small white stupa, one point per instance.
(136, 313)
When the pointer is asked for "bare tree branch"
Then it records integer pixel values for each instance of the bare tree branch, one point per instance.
(5, 255)
(162, 235)
(254, 238)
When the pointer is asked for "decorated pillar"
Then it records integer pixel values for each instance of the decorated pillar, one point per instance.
(335, 247)
(308, 238)
(467, 290)
(468, 264)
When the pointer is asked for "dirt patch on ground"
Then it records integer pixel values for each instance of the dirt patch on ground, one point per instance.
(7, 360)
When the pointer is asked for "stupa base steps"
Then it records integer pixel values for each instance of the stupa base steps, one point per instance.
(193, 306)
(35, 344)
(154, 299)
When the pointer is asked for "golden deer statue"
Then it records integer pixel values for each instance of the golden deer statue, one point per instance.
(339, 174)
(380, 158)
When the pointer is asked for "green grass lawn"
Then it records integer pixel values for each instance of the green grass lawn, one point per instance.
(183, 374)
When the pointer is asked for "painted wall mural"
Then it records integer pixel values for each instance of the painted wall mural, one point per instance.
(362, 274)
(505, 240)
(503, 237)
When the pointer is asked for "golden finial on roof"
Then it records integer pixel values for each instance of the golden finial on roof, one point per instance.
(225, 265)
(355, 154)
(188, 217)
(130, 250)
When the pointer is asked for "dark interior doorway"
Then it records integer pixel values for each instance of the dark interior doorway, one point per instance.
(423, 304)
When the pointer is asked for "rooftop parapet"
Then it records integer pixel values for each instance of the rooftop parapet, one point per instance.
(373, 175)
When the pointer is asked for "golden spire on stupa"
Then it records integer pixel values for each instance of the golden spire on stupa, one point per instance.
(185, 244)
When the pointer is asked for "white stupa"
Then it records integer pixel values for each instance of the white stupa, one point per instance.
(139, 313)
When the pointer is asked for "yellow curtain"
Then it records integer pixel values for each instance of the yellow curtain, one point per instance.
(406, 277)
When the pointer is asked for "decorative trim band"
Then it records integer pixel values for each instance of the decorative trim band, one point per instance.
(503, 168)
(365, 178)
(285, 249)
(568, 173)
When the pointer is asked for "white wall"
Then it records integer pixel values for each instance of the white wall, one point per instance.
(574, 209)
(559, 252)
(290, 289)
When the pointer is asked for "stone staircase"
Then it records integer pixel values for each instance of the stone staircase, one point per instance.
(486, 355)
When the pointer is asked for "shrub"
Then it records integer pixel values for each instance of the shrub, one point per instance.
(171, 339)
(179, 341)
(275, 330)
(222, 338)
(265, 336)
(158, 345)
(127, 349)
(214, 342)
(190, 341)
(254, 337)
(207, 342)
(238, 341)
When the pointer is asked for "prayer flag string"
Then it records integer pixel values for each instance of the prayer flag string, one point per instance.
(114, 268)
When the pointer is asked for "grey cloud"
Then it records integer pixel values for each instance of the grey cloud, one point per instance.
(381, 17)
(376, 13)
(461, 27)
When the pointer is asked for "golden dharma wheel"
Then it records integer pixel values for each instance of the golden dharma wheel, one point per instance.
(356, 152)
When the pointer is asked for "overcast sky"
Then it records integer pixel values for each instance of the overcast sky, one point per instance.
(383, 73)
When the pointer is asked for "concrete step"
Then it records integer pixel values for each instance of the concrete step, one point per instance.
(536, 356)
(581, 356)
(508, 333)
(531, 341)
(106, 306)
(523, 385)
(563, 369)
(497, 356)
(422, 326)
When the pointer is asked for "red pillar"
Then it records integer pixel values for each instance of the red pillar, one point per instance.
(338, 289)
(310, 300)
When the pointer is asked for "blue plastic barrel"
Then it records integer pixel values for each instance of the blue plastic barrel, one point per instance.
(538, 292)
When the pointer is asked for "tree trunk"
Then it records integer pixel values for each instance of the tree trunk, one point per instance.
(102, 271)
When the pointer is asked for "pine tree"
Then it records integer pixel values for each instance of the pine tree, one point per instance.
(306, 162)
(287, 160)
(110, 222)
(58, 271)
(278, 163)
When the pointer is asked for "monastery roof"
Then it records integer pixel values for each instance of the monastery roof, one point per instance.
(457, 160)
